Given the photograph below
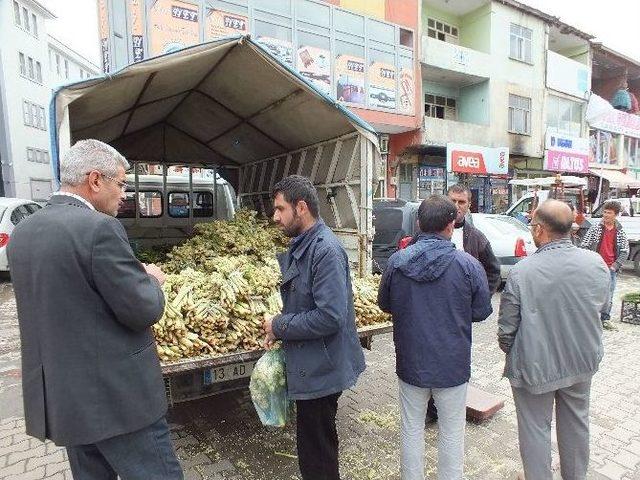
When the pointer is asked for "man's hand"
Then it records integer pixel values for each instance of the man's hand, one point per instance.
(154, 271)
(267, 326)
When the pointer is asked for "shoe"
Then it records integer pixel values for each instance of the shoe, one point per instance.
(608, 325)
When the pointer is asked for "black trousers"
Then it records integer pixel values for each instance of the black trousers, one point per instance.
(318, 438)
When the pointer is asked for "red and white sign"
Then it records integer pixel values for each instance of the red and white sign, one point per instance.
(476, 159)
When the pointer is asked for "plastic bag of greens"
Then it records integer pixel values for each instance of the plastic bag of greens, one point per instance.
(268, 387)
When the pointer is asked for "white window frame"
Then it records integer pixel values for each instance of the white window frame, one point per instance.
(523, 45)
(442, 31)
(25, 20)
(519, 112)
(58, 64)
(34, 25)
(448, 105)
(38, 72)
(17, 14)
(66, 68)
(23, 64)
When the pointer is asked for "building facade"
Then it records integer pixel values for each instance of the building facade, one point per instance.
(504, 89)
(27, 82)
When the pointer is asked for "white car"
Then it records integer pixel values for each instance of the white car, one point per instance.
(12, 211)
(510, 239)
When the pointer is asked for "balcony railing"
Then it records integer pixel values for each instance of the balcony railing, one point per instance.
(448, 56)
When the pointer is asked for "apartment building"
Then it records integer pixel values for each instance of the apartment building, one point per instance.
(27, 82)
(363, 53)
(504, 88)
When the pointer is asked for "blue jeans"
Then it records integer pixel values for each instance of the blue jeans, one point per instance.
(141, 455)
(606, 315)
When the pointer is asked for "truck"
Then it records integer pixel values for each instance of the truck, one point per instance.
(572, 189)
(231, 107)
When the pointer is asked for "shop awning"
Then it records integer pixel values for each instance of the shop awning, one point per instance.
(616, 178)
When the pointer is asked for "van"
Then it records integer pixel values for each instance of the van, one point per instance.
(167, 217)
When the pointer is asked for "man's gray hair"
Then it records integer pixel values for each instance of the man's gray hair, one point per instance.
(88, 155)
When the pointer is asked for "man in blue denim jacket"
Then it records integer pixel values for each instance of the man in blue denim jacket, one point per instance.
(434, 293)
(317, 325)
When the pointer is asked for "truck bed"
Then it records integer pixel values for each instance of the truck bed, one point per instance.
(209, 361)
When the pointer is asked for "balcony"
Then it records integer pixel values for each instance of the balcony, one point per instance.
(439, 132)
(443, 61)
(567, 76)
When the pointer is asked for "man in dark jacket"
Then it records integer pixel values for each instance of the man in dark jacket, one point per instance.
(468, 238)
(317, 325)
(434, 292)
(91, 375)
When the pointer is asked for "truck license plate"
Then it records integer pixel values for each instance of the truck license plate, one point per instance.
(228, 372)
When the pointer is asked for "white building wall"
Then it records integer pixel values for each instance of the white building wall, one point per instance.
(28, 175)
(19, 88)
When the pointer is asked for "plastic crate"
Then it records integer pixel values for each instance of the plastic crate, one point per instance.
(630, 310)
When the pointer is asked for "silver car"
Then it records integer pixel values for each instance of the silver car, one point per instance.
(12, 212)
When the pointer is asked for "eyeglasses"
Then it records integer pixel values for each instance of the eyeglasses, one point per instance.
(534, 224)
(123, 185)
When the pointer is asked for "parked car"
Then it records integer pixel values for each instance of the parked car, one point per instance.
(510, 239)
(393, 220)
(12, 212)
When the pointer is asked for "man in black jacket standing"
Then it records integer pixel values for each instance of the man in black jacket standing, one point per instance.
(468, 238)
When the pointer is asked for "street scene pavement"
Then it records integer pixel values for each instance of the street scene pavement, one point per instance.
(221, 437)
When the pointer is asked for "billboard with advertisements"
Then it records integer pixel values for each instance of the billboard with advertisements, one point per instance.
(565, 153)
(477, 160)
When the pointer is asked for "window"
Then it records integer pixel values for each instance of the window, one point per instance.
(66, 68)
(34, 24)
(38, 72)
(406, 38)
(442, 31)
(564, 116)
(25, 19)
(519, 114)
(26, 113)
(37, 155)
(58, 64)
(179, 205)
(203, 204)
(16, 14)
(149, 204)
(520, 43)
(81, 73)
(632, 150)
(437, 106)
(23, 65)
(32, 73)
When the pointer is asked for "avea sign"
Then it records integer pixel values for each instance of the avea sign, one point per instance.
(478, 160)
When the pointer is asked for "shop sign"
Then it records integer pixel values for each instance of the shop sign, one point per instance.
(566, 154)
(476, 159)
(222, 24)
(173, 25)
(617, 121)
(315, 65)
(427, 172)
(382, 85)
(350, 79)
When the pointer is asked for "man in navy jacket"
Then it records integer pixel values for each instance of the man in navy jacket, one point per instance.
(434, 293)
(317, 325)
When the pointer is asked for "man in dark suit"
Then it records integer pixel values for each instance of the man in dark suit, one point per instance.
(91, 375)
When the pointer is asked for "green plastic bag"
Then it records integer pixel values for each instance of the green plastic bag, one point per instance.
(268, 387)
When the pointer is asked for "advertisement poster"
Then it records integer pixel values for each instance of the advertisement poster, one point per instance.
(222, 24)
(476, 159)
(172, 25)
(103, 18)
(602, 146)
(314, 64)
(281, 49)
(406, 92)
(566, 154)
(382, 85)
(350, 79)
(137, 30)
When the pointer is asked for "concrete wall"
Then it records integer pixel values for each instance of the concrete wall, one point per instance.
(475, 30)
(474, 104)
